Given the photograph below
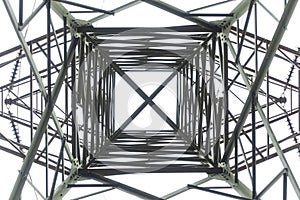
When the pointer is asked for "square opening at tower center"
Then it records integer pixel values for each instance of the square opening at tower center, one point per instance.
(133, 111)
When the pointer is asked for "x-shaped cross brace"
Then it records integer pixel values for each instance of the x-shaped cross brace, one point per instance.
(147, 99)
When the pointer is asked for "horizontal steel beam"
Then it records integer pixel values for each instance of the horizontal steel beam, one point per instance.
(118, 185)
(217, 192)
(86, 7)
(116, 10)
(208, 26)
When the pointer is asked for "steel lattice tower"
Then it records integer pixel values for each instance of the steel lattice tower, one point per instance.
(233, 94)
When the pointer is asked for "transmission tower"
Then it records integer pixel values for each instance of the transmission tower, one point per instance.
(222, 100)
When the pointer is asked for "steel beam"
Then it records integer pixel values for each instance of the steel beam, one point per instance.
(245, 29)
(239, 187)
(118, 185)
(275, 179)
(93, 194)
(60, 158)
(63, 188)
(34, 13)
(210, 6)
(176, 11)
(62, 12)
(116, 10)
(268, 11)
(217, 192)
(238, 11)
(184, 189)
(35, 189)
(284, 186)
(85, 7)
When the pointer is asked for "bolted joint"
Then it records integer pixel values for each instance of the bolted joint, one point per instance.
(281, 99)
(224, 37)
(8, 101)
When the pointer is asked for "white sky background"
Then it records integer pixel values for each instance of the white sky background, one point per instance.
(151, 16)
